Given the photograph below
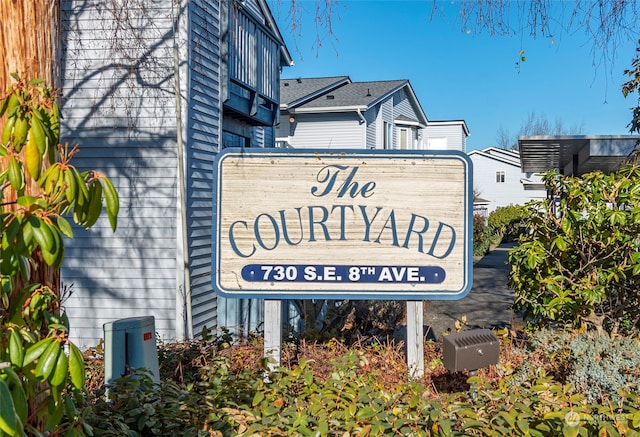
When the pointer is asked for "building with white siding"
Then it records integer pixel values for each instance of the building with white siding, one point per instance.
(446, 135)
(334, 112)
(151, 92)
(498, 179)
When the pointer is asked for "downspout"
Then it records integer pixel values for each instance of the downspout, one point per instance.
(364, 129)
(182, 201)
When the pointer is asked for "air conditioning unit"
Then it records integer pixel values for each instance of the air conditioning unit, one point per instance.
(130, 344)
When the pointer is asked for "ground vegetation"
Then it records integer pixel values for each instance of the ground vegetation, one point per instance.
(217, 387)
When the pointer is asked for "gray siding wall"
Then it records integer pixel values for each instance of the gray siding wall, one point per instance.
(386, 107)
(117, 81)
(282, 128)
(269, 136)
(204, 131)
(403, 106)
(454, 133)
(254, 8)
(117, 77)
(372, 127)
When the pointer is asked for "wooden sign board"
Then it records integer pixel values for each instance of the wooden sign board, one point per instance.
(342, 224)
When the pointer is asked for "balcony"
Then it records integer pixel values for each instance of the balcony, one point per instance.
(253, 65)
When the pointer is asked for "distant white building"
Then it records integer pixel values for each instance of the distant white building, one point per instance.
(446, 135)
(499, 181)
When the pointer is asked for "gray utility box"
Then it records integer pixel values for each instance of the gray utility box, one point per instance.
(130, 344)
(470, 350)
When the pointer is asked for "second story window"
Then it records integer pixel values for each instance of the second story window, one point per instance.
(500, 177)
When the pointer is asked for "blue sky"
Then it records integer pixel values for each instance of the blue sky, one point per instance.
(457, 75)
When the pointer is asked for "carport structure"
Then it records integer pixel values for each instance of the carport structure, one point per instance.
(574, 155)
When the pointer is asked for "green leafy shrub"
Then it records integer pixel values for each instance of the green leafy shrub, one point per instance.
(350, 394)
(134, 406)
(41, 371)
(540, 407)
(481, 236)
(580, 262)
(508, 221)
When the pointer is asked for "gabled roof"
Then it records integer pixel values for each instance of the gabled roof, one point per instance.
(355, 94)
(340, 94)
(294, 92)
(505, 156)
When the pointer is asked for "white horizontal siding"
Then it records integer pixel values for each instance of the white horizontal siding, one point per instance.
(511, 192)
(333, 131)
(90, 326)
(454, 134)
(117, 82)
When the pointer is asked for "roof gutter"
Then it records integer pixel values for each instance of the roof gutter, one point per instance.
(328, 109)
(409, 123)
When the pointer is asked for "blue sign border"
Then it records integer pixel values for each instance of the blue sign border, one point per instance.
(338, 294)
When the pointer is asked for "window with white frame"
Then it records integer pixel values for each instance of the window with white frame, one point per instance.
(500, 177)
(405, 138)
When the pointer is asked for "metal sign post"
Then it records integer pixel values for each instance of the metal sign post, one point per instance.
(343, 224)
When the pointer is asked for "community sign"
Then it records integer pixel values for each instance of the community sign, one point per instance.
(342, 224)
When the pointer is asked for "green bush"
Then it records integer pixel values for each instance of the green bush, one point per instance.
(134, 406)
(481, 236)
(508, 221)
(41, 192)
(580, 262)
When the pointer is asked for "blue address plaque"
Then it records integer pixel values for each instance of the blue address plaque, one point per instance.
(342, 224)
(343, 273)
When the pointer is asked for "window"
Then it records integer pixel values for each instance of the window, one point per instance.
(404, 138)
(230, 139)
(386, 135)
(500, 177)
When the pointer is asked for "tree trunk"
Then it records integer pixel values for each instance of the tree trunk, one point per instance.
(28, 42)
(29, 48)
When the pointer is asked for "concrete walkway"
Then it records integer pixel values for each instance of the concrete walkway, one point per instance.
(486, 305)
